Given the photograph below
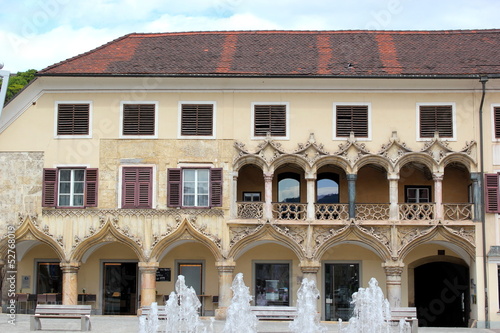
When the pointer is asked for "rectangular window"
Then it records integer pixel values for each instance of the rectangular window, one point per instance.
(351, 119)
(192, 187)
(137, 187)
(73, 119)
(436, 118)
(197, 120)
(496, 121)
(272, 284)
(491, 183)
(417, 194)
(49, 278)
(69, 187)
(139, 119)
(251, 196)
(270, 119)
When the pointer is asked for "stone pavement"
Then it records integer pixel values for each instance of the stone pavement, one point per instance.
(130, 324)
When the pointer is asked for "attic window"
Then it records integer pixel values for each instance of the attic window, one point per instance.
(73, 119)
(197, 119)
(352, 118)
(270, 118)
(139, 119)
(436, 118)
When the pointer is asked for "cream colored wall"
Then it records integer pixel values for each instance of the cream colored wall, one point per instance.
(27, 265)
(372, 186)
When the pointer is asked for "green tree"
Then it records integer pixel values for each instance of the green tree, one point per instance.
(17, 82)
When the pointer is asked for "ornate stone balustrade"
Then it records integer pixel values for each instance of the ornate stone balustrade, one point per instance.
(290, 211)
(416, 211)
(377, 212)
(332, 211)
(250, 210)
(458, 211)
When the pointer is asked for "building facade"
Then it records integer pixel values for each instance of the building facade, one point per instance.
(335, 156)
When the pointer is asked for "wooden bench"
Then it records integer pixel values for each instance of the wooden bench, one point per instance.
(57, 311)
(408, 314)
(274, 312)
(162, 312)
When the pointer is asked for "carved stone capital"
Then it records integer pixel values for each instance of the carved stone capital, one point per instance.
(268, 177)
(393, 269)
(225, 266)
(69, 267)
(310, 267)
(148, 267)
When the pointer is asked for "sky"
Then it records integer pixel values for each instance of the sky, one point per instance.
(35, 34)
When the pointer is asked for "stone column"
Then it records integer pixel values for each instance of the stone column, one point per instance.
(393, 196)
(226, 269)
(148, 282)
(393, 272)
(310, 270)
(268, 195)
(438, 194)
(476, 195)
(234, 203)
(351, 188)
(70, 282)
(311, 197)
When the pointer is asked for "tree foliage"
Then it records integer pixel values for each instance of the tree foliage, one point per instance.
(18, 81)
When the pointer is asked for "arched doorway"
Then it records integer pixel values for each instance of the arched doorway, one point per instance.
(442, 294)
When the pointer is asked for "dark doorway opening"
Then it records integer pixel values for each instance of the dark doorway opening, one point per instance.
(120, 288)
(442, 295)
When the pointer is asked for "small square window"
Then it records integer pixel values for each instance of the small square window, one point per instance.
(270, 119)
(436, 119)
(139, 119)
(197, 120)
(73, 119)
(251, 196)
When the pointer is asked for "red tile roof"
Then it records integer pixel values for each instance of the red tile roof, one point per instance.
(292, 53)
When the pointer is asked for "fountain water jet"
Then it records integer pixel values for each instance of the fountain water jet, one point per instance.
(307, 320)
(371, 312)
(239, 316)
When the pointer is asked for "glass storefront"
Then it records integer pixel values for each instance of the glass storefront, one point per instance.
(341, 281)
(272, 284)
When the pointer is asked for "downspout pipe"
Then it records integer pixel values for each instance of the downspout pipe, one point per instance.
(483, 80)
(3, 90)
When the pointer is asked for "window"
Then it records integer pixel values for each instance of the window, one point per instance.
(70, 187)
(491, 192)
(251, 196)
(496, 122)
(351, 118)
(73, 119)
(327, 188)
(270, 118)
(139, 119)
(195, 187)
(289, 187)
(197, 120)
(272, 284)
(436, 118)
(417, 194)
(49, 278)
(137, 185)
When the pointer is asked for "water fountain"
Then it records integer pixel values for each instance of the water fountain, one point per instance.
(307, 320)
(371, 312)
(149, 324)
(239, 316)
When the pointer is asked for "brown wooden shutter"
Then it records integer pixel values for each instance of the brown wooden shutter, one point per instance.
(137, 187)
(197, 119)
(49, 188)
(216, 187)
(138, 119)
(174, 187)
(436, 119)
(73, 119)
(91, 188)
(352, 118)
(496, 116)
(491, 192)
(270, 119)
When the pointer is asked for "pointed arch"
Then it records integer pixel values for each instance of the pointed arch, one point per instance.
(185, 231)
(108, 233)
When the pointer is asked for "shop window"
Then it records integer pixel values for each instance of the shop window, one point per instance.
(272, 284)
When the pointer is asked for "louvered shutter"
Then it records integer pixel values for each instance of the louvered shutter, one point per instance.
(138, 119)
(144, 188)
(496, 116)
(197, 120)
(216, 187)
(91, 188)
(73, 119)
(129, 185)
(491, 192)
(174, 187)
(352, 118)
(49, 188)
(270, 119)
(436, 119)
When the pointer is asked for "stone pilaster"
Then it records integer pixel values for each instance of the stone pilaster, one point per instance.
(438, 194)
(393, 272)
(268, 195)
(226, 269)
(393, 196)
(70, 282)
(311, 197)
(148, 282)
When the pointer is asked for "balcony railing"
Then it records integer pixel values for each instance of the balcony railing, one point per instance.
(458, 211)
(250, 210)
(377, 212)
(331, 211)
(290, 211)
(416, 211)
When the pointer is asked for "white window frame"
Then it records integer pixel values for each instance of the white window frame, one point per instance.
(120, 182)
(334, 120)
(196, 137)
(155, 136)
(72, 186)
(493, 106)
(453, 115)
(287, 120)
(56, 109)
